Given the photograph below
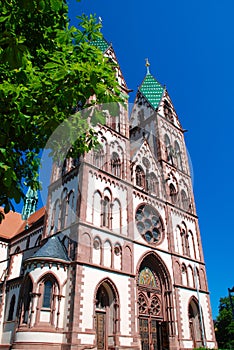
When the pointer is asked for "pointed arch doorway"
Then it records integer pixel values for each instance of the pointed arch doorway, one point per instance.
(106, 315)
(154, 305)
(195, 323)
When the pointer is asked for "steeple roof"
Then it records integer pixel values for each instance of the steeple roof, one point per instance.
(52, 249)
(30, 203)
(101, 43)
(152, 90)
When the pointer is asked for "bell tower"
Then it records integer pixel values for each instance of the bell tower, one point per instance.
(156, 129)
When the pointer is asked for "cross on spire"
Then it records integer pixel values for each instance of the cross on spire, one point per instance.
(147, 64)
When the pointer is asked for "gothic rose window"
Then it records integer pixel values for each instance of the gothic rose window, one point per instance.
(149, 223)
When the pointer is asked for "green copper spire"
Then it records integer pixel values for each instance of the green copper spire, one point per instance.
(150, 88)
(30, 203)
(101, 43)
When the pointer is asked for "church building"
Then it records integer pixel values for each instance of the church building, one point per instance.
(114, 260)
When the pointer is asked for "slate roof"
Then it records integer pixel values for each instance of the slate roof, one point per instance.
(53, 248)
(101, 43)
(152, 90)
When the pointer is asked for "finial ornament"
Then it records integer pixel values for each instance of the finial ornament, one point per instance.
(147, 64)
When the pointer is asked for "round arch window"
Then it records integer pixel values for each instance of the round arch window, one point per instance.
(148, 223)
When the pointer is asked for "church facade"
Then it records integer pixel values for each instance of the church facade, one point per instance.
(115, 260)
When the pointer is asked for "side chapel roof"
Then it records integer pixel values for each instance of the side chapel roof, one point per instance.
(53, 248)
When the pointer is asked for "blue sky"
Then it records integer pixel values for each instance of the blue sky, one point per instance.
(190, 46)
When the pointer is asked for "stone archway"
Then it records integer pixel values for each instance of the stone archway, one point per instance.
(195, 323)
(155, 315)
(106, 315)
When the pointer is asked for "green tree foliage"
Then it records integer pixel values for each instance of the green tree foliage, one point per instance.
(224, 325)
(49, 70)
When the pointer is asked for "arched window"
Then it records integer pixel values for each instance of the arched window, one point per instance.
(116, 216)
(97, 251)
(47, 310)
(117, 256)
(178, 156)
(64, 209)
(11, 308)
(47, 296)
(197, 278)
(173, 193)
(97, 209)
(26, 291)
(106, 212)
(140, 176)
(191, 277)
(168, 149)
(98, 157)
(184, 200)
(185, 242)
(153, 184)
(116, 165)
(192, 245)
(167, 111)
(55, 221)
(71, 208)
(184, 275)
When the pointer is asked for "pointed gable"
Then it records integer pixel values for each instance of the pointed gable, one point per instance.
(145, 167)
(53, 249)
(142, 154)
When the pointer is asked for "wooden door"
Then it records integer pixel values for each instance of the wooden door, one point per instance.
(150, 333)
(144, 333)
(101, 330)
